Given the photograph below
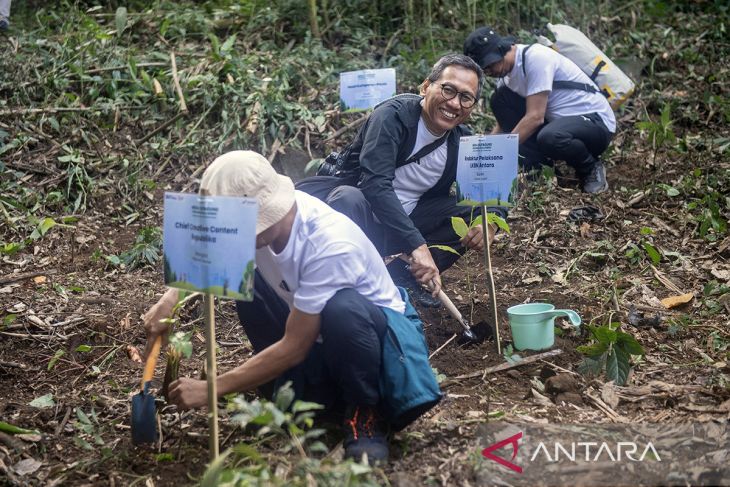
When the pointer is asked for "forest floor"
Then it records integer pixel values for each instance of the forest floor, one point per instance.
(70, 320)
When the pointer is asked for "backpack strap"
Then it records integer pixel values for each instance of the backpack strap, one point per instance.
(427, 149)
(571, 85)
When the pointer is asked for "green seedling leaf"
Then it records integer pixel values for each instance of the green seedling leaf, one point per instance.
(646, 231)
(43, 402)
(629, 344)
(8, 319)
(215, 470)
(56, 356)
(15, 430)
(83, 348)
(11, 247)
(652, 252)
(605, 335)
(302, 406)
(245, 450)
(459, 225)
(499, 221)
(43, 227)
(445, 248)
(593, 351)
(165, 457)
(618, 366)
(120, 19)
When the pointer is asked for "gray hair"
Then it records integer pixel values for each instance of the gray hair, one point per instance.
(457, 60)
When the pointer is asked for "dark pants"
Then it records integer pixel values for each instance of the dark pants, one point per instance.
(578, 140)
(431, 216)
(342, 370)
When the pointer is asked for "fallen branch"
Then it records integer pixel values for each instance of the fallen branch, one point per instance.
(176, 81)
(347, 127)
(21, 277)
(504, 366)
(442, 346)
(162, 127)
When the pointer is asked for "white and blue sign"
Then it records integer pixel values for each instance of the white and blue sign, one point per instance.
(209, 244)
(486, 174)
(362, 90)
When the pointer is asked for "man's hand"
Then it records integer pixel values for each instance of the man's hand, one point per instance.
(152, 325)
(474, 239)
(188, 393)
(424, 269)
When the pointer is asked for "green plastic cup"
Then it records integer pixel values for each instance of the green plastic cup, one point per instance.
(532, 324)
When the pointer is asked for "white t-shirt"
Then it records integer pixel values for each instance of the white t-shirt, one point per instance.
(414, 179)
(543, 65)
(326, 252)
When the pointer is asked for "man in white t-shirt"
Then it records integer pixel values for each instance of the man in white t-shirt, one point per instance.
(554, 107)
(323, 303)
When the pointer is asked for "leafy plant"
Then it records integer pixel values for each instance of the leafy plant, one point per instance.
(145, 251)
(281, 427)
(660, 133)
(610, 352)
(178, 347)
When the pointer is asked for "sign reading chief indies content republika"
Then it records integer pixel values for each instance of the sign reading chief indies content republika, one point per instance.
(486, 173)
(209, 244)
(362, 90)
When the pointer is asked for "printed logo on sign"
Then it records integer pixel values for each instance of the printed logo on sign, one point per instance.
(512, 440)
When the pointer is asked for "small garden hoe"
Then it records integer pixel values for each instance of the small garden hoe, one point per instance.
(144, 421)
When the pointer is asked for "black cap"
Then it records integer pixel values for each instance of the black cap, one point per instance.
(487, 47)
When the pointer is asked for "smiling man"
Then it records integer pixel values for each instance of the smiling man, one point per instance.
(401, 166)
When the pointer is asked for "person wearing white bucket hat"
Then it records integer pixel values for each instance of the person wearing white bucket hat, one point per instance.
(323, 303)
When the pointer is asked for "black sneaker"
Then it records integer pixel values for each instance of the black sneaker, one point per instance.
(365, 435)
(594, 181)
(4, 25)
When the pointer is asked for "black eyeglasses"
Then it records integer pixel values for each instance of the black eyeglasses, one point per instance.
(466, 99)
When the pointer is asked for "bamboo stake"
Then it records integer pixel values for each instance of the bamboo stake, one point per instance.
(490, 277)
(212, 374)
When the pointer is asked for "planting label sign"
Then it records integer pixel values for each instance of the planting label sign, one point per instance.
(209, 244)
(361, 90)
(487, 170)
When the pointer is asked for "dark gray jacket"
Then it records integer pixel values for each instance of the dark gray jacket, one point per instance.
(383, 144)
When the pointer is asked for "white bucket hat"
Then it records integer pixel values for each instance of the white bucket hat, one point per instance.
(248, 174)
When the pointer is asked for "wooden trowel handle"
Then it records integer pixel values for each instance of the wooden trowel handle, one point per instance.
(149, 366)
(450, 306)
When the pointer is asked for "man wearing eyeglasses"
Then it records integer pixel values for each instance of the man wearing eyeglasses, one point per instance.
(547, 100)
(402, 165)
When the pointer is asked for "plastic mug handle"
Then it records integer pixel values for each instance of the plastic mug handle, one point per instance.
(572, 316)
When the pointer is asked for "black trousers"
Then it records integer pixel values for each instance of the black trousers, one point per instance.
(431, 216)
(344, 369)
(578, 140)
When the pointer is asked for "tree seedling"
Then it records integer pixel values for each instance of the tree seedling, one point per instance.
(610, 352)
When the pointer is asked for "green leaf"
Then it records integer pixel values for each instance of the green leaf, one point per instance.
(618, 366)
(302, 406)
(605, 335)
(8, 320)
(56, 356)
(15, 430)
(592, 366)
(646, 231)
(245, 450)
(43, 402)
(284, 397)
(629, 344)
(84, 348)
(445, 248)
(652, 252)
(499, 221)
(594, 350)
(120, 19)
(459, 225)
(42, 228)
(165, 457)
